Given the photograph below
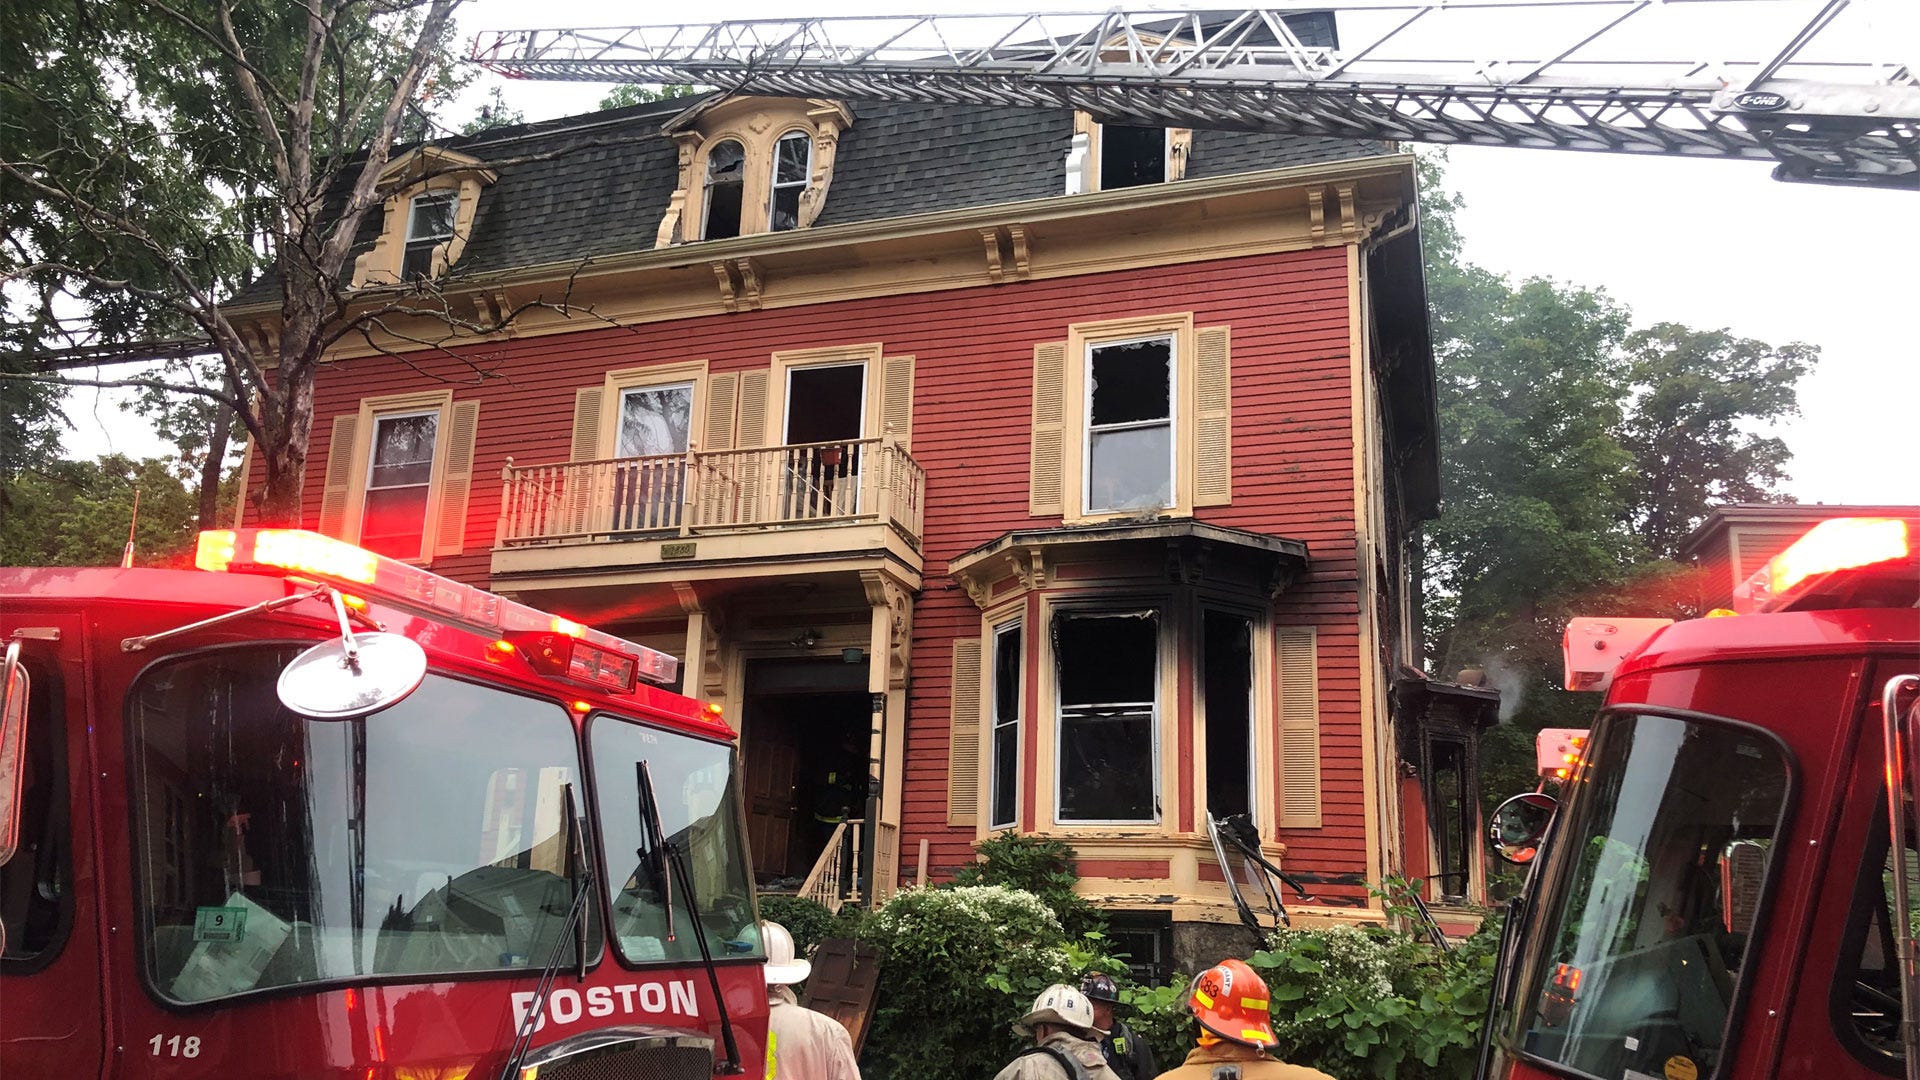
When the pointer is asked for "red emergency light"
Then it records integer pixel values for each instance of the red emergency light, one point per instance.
(1833, 546)
(553, 645)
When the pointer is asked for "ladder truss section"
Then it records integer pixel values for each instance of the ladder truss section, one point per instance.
(1817, 85)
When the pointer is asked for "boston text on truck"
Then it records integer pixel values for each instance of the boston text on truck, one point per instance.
(307, 811)
(1726, 887)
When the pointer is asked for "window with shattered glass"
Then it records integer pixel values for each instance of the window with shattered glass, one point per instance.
(726, 182)
(1107, 670)
(792, 162)
(1130, 425)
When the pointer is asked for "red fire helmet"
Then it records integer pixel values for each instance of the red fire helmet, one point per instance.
(1231, 1001)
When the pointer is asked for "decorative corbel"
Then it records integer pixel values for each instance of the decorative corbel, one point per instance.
(1349, 215)
(1031, 565)
(1317, 213)
(723, 277)
(1022, 261)
(688, 145)
(991, 239)
(884, 593)
(978, 591)
(752, 280)
(1186, 563)
(1281, 577)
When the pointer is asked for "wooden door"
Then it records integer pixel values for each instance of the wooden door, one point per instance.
(771, 754)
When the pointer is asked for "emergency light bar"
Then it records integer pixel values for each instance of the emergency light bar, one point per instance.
(553, 645)
(1591, 648)
(1559, 752)
(1828, 548)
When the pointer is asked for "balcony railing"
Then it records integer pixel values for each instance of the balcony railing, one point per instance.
(827, 483)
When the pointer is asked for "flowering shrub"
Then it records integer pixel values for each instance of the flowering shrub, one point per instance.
(958, 967)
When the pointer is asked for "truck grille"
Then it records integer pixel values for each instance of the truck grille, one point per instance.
(624, 1054)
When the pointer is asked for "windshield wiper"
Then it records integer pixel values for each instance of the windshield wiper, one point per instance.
(676, 862)
(579, 879)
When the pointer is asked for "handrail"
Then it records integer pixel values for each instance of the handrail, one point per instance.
(822, 884)
(708, 491)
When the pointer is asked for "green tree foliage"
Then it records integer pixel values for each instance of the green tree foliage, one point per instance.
(494, 113)
(641, 93)
(1576, 452)
(1044, 867)
(76, 513)
(155, 157)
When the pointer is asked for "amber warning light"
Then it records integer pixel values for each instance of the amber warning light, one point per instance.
(553, 645)
(1828, 548)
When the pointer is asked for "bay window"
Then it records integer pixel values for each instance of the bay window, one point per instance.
(1108, 688)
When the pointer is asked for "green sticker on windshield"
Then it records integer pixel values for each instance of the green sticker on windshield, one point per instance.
(219, 924)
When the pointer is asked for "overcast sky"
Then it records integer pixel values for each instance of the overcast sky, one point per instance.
(1706, 243)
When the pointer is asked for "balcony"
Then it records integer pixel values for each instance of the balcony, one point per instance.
(671, 513)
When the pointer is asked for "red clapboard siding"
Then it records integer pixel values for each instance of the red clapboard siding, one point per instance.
(1293, 456)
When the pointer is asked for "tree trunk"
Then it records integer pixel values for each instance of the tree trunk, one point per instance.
(215, 464)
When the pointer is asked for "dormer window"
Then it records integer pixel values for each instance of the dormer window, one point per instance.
(726, 190)
(792, 163)
(429, 224)
(751, 165)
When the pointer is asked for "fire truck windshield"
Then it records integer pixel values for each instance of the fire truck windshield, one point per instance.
(695, 784)
(1648, 910)
(274, 851)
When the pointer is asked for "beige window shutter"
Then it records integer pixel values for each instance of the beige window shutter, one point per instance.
(721, 391)
(450, 530)
(753, 432)
(1299, 727)
(1212, 421)
(1046, 497)
(897, 399)
(242, 484)
(963, 749)
(588, 402)
(339, 486)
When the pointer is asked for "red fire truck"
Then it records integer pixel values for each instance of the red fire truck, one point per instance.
(306, 811)
(1723, 891)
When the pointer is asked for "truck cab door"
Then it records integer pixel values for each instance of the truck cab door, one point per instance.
(50, 974)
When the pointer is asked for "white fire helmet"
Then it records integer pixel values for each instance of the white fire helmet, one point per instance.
(783, 968)
(1059, 1004)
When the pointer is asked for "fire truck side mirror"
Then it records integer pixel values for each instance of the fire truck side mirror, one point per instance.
(333, 681)
(13, 747)
(1518, 826)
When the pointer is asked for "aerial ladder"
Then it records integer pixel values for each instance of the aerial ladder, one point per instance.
(1829, 90)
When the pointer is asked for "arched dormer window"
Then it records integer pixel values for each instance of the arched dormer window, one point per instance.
(751, 165)
(726, 189)
(792, 165)
(431, 196)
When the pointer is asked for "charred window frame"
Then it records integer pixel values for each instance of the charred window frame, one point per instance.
(1107, 723)
(792, 165)
(1226, 687)
(1132, 156)
(1130, 448)
(725, 190)
(1007, 702)
(1451, 790)
(429, 224)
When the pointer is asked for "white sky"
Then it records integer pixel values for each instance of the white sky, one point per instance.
(1705, 243)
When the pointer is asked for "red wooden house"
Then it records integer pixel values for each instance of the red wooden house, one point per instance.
(1060, 478)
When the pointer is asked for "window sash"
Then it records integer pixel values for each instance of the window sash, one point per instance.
(380, 534)
(1091, 429)
(437, 199)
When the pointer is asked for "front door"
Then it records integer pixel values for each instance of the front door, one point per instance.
(772, 751)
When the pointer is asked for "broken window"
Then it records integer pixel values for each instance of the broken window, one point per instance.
(1132, 156)
(1130, 425)
(1006, 727)
(429, 224)
(792, 162)
(399, 478)
(1227, 683)
(1452, 816)
(1108, 670)
(726, 180)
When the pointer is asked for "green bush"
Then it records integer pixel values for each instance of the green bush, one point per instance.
(1159, 1015)
(959, 966)
(1043, 867)
(1364, 1003)
(808, 921)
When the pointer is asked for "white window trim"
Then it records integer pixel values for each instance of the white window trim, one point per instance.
(1099, 159)
(441, 195)
(427, 524)
(1161, 629)
(1016, 625)
(1173, 424)
(774, 184)
(692, 385)
(786, 394)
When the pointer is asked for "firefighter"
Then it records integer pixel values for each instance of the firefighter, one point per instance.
(801, 1044)
(1127, 1054)
(1066, 1045)
(1230, 1003)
